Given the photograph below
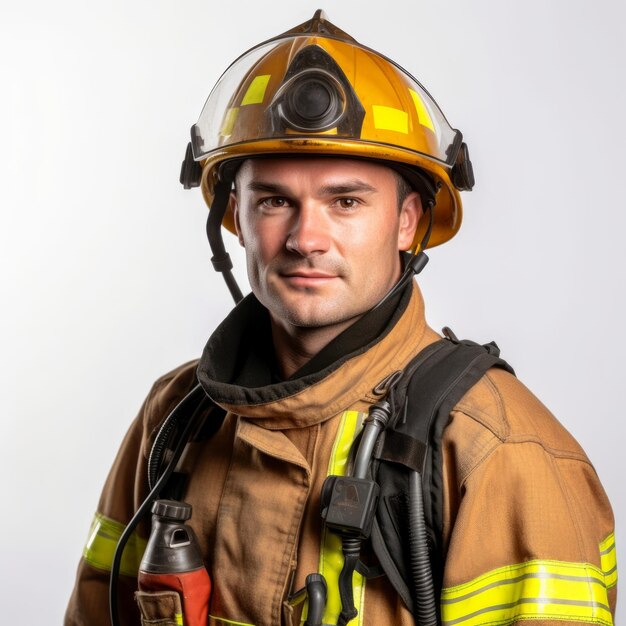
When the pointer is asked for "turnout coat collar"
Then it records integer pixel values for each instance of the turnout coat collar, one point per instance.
(236, 368)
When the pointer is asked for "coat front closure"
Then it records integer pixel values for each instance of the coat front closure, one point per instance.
(258, 521)
(266, 533)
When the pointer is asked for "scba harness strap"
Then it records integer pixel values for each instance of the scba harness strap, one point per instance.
(422, 397)
(430, 387)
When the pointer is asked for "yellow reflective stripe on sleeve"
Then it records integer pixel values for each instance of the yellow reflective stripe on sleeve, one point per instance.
(256, 90)
(549, 590)
(179, 619)
(102, 541)
(388, 118)
(331, 557)
(608, 560)
(422, 112)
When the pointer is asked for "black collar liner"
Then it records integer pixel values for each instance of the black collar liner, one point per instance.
(238, 365)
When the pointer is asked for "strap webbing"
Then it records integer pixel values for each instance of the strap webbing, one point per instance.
(432, 385)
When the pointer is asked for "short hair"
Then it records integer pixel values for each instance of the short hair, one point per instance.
(403, 188)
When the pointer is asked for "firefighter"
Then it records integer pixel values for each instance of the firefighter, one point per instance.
(336, 169)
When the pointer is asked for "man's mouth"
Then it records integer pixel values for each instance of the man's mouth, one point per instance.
(308, 278)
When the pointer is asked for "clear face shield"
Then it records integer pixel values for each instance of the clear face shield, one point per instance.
(308, 87)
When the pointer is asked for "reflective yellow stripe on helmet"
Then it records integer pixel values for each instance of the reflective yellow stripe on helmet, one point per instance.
(256, 90)
(608, 560)
(538, 589)
(331, 557)
(229, 121)
(422, 112)
(102, 541)
(388, 118)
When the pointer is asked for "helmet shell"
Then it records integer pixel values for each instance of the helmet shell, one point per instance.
(314, 91)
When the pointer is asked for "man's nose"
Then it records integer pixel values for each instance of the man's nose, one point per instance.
(310, 234)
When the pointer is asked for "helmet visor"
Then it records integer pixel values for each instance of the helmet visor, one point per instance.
(304, 87)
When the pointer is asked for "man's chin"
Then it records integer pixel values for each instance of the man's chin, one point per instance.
(321, 316)
(321, 309)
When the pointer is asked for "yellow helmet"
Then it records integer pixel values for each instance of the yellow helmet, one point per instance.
(315, 91)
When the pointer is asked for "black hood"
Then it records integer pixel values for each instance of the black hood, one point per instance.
(238, 364)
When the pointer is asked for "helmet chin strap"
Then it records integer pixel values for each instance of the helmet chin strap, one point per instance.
(415, 264)
(221, 259)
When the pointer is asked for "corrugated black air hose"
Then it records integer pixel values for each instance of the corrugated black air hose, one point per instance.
(192, 399)
(423, 587)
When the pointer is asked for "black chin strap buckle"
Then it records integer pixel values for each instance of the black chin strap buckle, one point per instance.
(222, 263)
(221, 259)
(417, 262)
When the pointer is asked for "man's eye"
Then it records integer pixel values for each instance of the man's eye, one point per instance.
(274, 202)
(347, 203)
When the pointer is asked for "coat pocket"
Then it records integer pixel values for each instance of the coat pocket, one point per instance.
(159, 608)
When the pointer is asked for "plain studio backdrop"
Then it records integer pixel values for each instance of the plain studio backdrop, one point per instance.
(105, 277)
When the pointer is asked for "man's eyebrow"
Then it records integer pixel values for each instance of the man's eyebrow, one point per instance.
(258, 185)
(351, 186)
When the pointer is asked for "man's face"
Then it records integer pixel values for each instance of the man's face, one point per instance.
(321, 236)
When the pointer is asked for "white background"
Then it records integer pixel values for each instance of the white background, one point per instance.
(105, 274)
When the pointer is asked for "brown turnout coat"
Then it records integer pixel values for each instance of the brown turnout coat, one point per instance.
(519, 493)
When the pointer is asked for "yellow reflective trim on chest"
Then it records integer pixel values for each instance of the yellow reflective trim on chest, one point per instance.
(608, 560)
(539, 589)
(331, 556)
(104, 535)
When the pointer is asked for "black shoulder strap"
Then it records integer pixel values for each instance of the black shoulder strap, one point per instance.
(432, 384)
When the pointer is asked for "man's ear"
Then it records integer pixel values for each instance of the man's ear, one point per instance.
(410, 214)
(234, 207)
